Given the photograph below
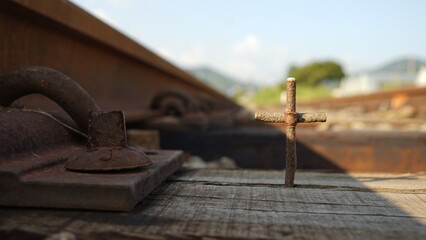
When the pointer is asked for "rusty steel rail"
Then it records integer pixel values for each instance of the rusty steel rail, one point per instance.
(120, 74)
(115, 70)
(413, 96)
(413, 92)
(363, 151)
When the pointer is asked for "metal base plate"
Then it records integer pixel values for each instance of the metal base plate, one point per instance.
(44, 182)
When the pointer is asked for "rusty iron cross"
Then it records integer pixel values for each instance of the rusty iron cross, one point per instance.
(291, 118)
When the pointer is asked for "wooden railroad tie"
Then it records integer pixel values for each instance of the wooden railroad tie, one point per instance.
(291, 118)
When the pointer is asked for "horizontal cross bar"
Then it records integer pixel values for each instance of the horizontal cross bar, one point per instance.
(280, 117)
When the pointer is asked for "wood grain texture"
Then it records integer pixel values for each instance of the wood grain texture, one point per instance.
(241, 204)
(320, 179)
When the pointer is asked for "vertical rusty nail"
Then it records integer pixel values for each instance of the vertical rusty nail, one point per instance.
(291, 95)
(291, 119)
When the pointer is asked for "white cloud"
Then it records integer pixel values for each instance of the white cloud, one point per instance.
(249, 44)
(265, 64)
(193, 57)
(165, 53)
(101, 15)
(252, 60)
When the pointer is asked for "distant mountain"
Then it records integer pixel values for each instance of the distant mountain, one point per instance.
(402, 65)
(219, 81)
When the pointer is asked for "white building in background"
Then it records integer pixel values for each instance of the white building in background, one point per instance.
(356, 84)
(421, 77)
(403, 72)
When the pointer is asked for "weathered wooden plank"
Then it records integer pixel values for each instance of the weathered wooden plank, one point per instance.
(160, 222)
(219, 230)
(197, 205)
(372, 181)
(299, 200)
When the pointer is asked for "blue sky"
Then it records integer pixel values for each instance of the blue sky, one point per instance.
(257, 41)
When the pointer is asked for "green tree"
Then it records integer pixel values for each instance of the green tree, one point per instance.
(316, 72)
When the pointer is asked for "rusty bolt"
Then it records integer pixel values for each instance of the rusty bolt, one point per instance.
(107, 146)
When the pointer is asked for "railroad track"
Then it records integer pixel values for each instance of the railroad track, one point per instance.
(119, 74)
(81, 157)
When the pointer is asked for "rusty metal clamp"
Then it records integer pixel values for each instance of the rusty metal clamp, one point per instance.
(52, 84)
(107, 143)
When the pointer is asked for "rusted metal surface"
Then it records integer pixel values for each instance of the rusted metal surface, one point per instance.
(291, 118)
(363, 151)
(33, 134)
(33, 154)
(68, 15)
(280, 117)
(176, 101)
(52, 84)
(385, 95)
(106, 129)
(311, 117)
(46, 183)
(351, 151)
(249, 147)
(107, 146)
(290, 133)
(38, 148)
(116, 71)
(183, 111)
(146, 139)
(191, 111)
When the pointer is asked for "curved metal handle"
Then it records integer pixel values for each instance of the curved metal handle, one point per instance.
(52, 84)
